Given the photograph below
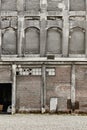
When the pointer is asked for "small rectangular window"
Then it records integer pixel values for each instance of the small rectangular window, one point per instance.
(50, 71)
(28, 71)
(36, 71)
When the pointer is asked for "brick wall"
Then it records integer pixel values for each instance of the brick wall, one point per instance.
(28, 93)
(81, 87)
(59, 86)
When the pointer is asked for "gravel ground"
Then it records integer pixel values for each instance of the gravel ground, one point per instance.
(42, 122)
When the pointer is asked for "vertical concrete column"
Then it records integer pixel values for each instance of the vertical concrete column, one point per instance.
(0, 38)
(65, 42)
(43, 89)
(13, 89)
(86, 32)
(0, 31)
(20, 8)
(20, 34)
(73, 88)
(43, 18)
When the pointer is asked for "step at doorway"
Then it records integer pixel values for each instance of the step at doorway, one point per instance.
(5, 98)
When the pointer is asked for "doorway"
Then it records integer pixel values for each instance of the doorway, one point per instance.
(5, 98)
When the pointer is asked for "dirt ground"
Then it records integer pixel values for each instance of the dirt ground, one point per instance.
(42, 122)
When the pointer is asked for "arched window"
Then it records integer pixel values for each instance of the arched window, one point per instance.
(32, 41)
(54, 41)
(77, 41)
(9, 41)
(9, 5)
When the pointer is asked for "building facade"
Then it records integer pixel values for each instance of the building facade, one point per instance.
(43, 55)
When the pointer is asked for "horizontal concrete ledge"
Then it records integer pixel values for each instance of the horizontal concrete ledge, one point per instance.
(42, 59)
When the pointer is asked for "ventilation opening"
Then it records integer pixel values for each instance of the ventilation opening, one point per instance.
(5, 98)
(50, 57)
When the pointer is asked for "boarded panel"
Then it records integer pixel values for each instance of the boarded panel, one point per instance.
(58, 86)
(81, 87)
(28, 92)
(77, 42)
(5, 73)
(9, 5)
(54, 41)
(77, 5)
(32, 41)
(53, 5)
(32, 5)
(9, 44)
(53, 104)
(62, 104)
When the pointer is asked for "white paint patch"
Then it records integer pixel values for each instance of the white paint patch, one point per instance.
(44, 1)
(61, 6)
(53, 104)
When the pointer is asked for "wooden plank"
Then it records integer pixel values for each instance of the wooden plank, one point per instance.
(13, 89)
(73, 87)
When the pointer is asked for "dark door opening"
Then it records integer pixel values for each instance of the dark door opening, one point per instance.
(5, 97)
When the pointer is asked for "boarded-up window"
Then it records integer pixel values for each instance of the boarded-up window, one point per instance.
(77, 5)
(9, 42)
(32, 41)
(9, 5)
(32, 5)
(77, 42)
(5, 73)
(54, 40)
(53, 5)
(28, 93)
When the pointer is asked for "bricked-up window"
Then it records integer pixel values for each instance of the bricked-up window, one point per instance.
(50, 71)
(9, 41)
(53, 5)
(32, 41)
(77, 5)
(9, 5)
(54, 41)
(77, 41)
(32, 5)
(28, 71)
